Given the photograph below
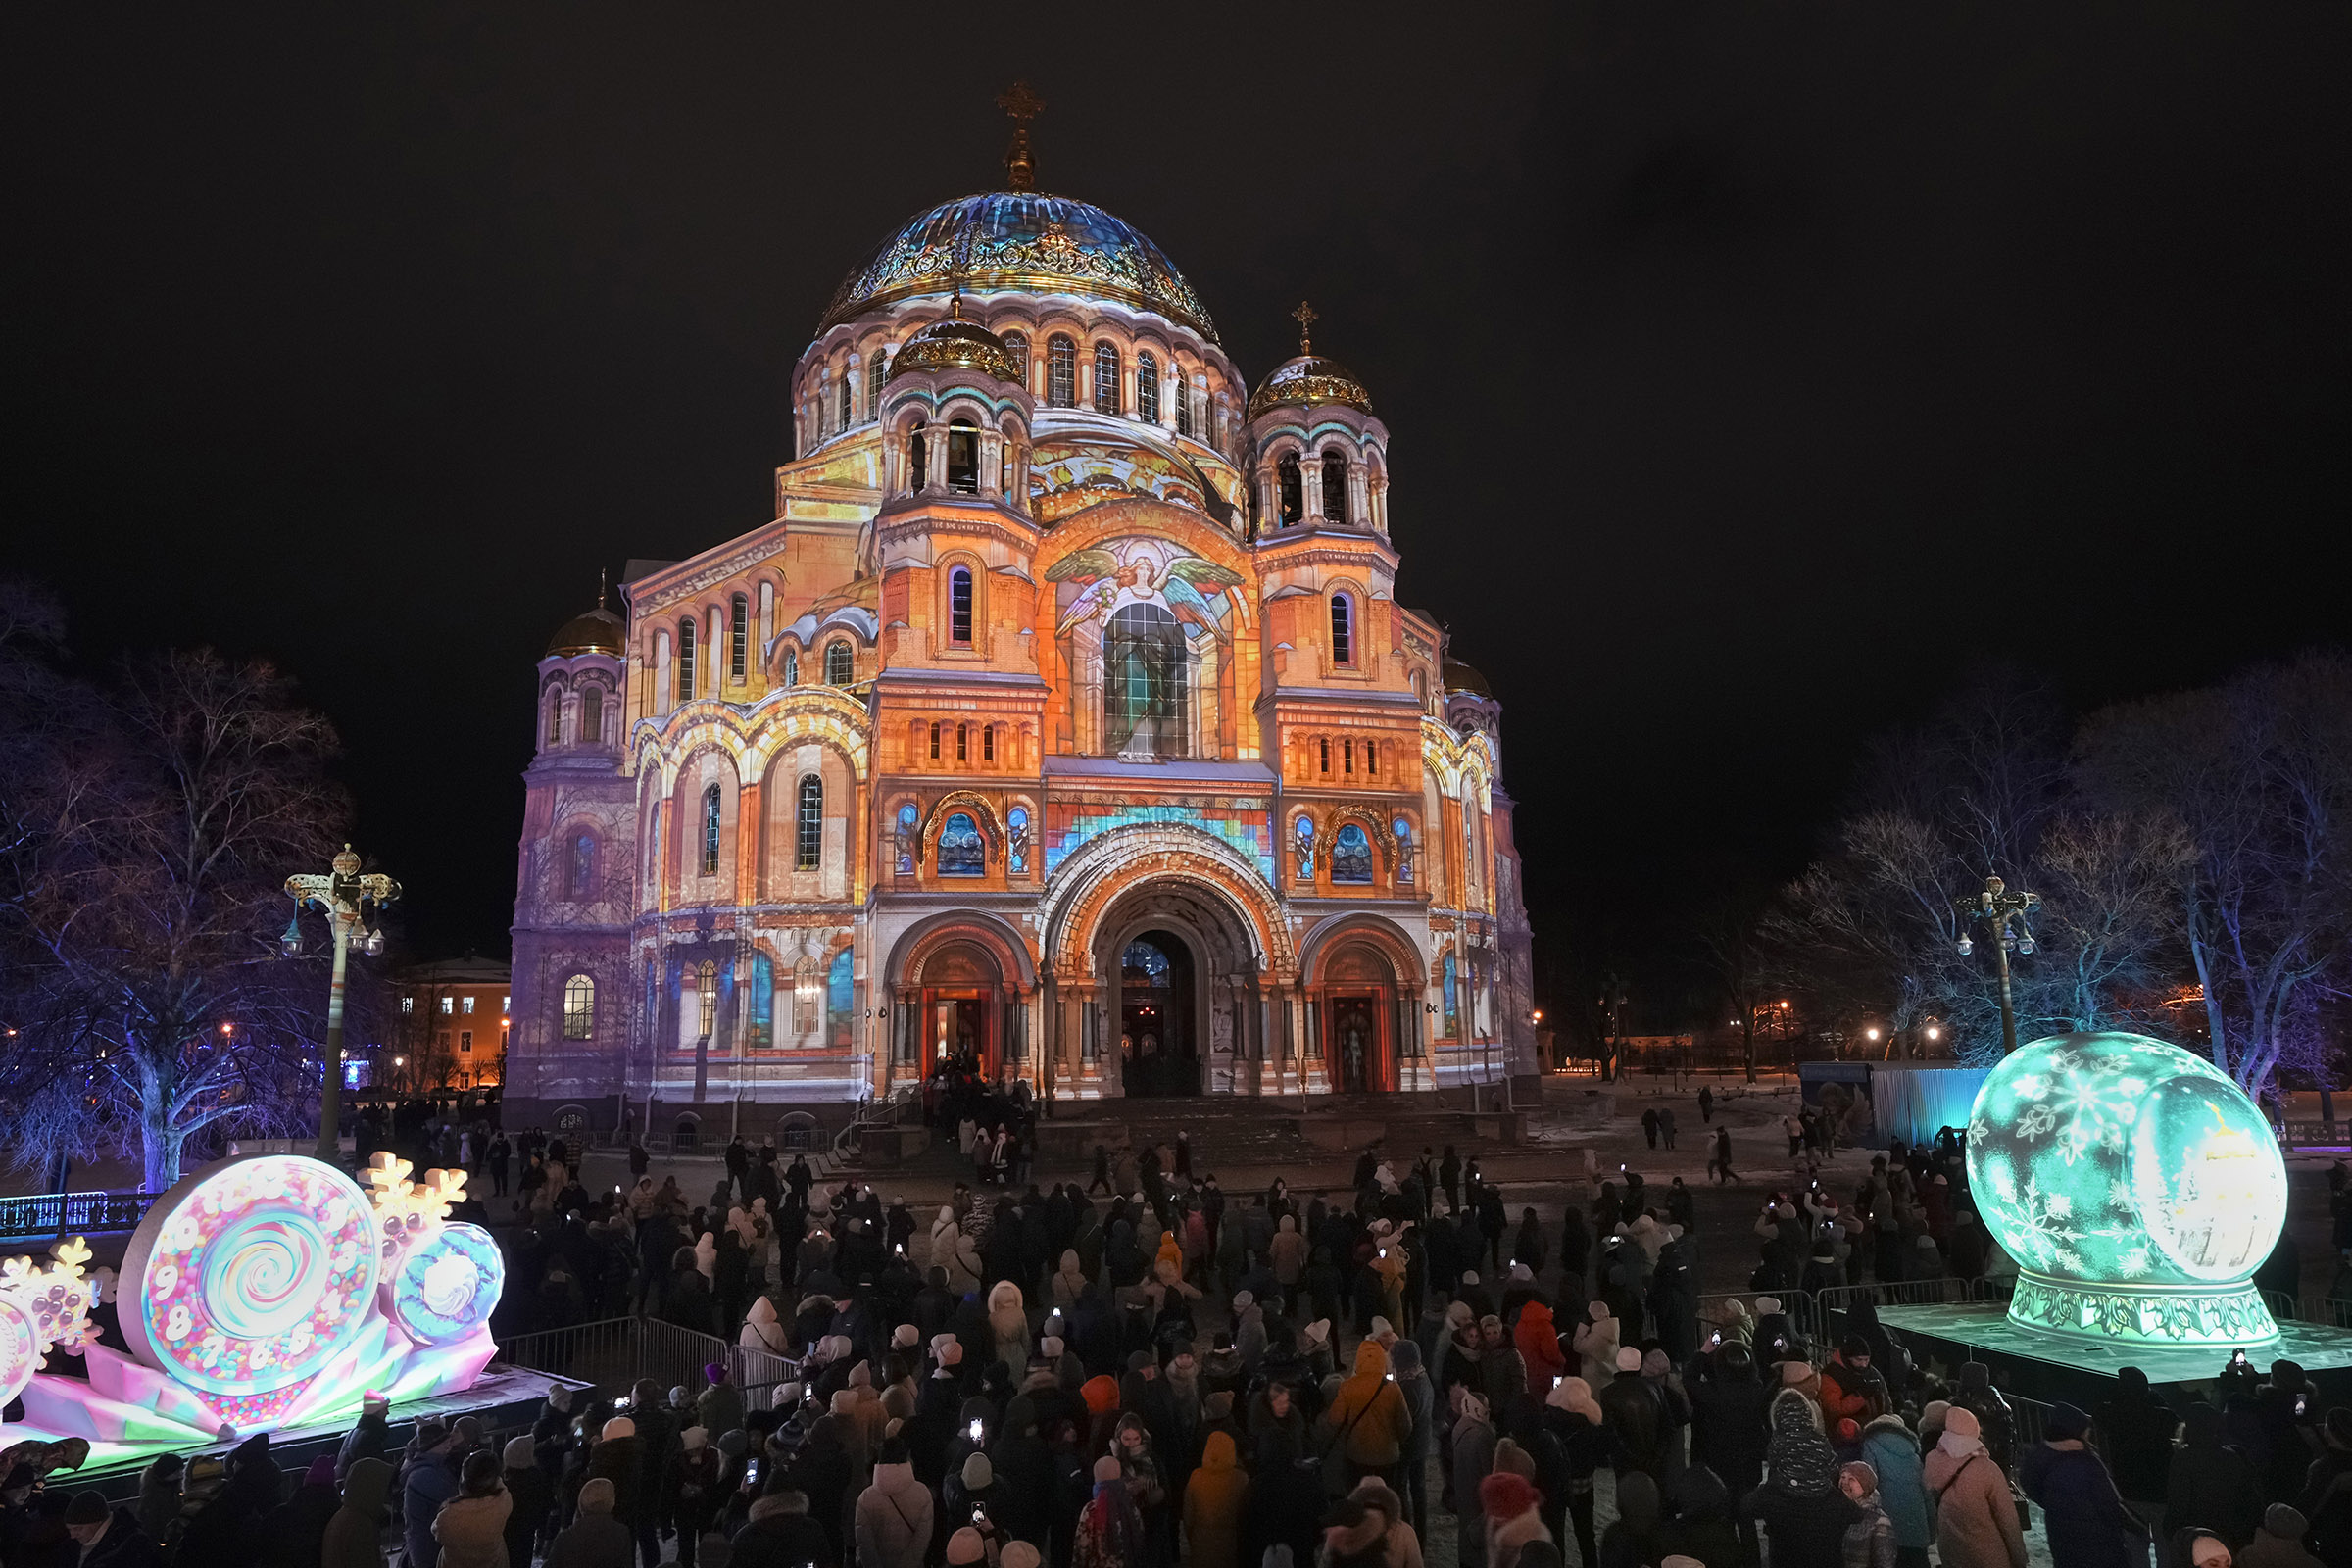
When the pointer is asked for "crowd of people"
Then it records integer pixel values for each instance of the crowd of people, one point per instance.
(1262, 1380)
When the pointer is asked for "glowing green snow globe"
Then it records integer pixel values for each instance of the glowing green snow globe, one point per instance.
(2137, 1187)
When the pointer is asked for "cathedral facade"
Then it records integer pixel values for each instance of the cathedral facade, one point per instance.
(1063, 721)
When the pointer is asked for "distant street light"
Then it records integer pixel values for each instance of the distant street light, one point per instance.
(343, 898)
(2005, 913)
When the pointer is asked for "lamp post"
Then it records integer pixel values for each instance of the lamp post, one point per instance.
(2005, 913)
(343, 897)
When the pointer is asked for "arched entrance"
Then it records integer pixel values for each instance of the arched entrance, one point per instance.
(1364, 1006)
(960, 984)
(1180, 974)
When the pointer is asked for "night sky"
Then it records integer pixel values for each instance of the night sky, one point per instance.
(1754, 370)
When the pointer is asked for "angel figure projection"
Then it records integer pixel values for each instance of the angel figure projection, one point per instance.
(1148, 597)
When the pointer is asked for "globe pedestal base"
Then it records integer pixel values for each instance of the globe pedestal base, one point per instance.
(2123, 1314)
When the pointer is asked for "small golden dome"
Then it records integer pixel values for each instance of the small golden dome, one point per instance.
(1307, 380)
(1457, 676)
(954, 343)
(599, 631)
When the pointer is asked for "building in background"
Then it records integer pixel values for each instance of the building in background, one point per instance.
(1063, 721)
(451, 1028)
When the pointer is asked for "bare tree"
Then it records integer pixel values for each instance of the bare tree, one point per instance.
(153, 999)
(2258, 772)
(1730, 934)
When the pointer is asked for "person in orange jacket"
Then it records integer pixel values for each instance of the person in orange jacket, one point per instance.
(1850, 1387)
(1538, 1341)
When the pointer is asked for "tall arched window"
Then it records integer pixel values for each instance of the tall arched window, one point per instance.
(988, 742)
(1016, 344)
(1351, 854)
(791, 667)
(917, 454)
(1182, 394)
(686, 659)
(1106, 379)
(1404, 852)
(1342, 629)
(841, 983)
(822, 404)
(877, 363)
(963, 742)
(555, 717)
(1144, 695)
(579, 1008)
(847, 409)
(579, 870)
(963, 459)
(935, 740)
(705, 994)
(808, 825)
(1293, 500)
(1061, 372)
(961, 852)
(840, 664)
(1016, 841)
(1147, 387)
(592, 714)
(959, 606)
(711, 831)
(907, 840)
(739, 637)
(760, 1024)
(1335, 487)
(1452, 989)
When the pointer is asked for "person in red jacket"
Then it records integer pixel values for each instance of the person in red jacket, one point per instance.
(1850, 1387)
(1538, 1340)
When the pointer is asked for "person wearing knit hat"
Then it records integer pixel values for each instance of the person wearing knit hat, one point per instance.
(965, 1546)
(89, 1507)
(1575, 1395)
(1629, 1360)
(1353, 1535)
(1510, 1502)
(1019, 1555)
(694, 1439)
(620, 1426)
(905, 1337)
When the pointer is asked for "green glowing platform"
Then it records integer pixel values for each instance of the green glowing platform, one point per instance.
(1986, 1329)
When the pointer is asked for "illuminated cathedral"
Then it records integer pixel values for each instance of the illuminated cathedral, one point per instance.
(1063, 723)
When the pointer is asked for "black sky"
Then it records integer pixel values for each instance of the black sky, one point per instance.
(1752, 368)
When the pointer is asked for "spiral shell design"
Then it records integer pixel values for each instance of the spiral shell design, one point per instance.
(253, 1274)
(20, 1350)
(447, 1285)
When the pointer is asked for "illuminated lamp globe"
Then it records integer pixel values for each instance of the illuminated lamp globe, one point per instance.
(2137, 1187)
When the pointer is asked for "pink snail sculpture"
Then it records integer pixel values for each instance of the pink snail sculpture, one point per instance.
(265, 1292)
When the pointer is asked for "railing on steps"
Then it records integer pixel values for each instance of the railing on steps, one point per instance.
(873, 1116)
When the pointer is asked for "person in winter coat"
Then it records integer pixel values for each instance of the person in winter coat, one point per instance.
(954, 1251)
(353, 1533)
(2278, 1543)
(761, 1331)
(2212, 1485)
(2135, 1435)
(105, 1536)
(534, 1497)
(1009, 1321)
(1216, 1503)
(1400, 1541)
(1288, 1252)
(1891, 1451)
(1805, 1516)
(2088, 1525)
(1638, 1417)
(780, 1535)
(1731, 1418)
(1868, 1540)
(1369, 1419)
(294, 1531)
(1699, 1525)
(1632, 1538)
(1421, 1441)
(894, 1514)
(1538, 1341)
(471, 1527)
(158, 1495)
(593, 1538)
(1975, 1515)
(1511, 1507)
(1109, 1533)
(719, 1409)
(1595, 1345)
(427, 1480)
(1851, 1388)
(1472, 1459)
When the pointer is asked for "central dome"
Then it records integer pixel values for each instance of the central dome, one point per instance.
(1019, 240)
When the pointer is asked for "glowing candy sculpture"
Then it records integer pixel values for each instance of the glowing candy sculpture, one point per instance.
(270, 1291)
(2136, 1185)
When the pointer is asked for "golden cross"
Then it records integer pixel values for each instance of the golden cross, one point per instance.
(1304, 316)
(1020, 167)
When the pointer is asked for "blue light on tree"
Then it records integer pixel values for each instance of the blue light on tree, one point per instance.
(2136, 1185)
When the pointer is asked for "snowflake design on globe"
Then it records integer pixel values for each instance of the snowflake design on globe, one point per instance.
(56, 1298)
(406, 1211)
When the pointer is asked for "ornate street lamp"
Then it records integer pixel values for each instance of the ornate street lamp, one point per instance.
(343, 897)
(2005, 913)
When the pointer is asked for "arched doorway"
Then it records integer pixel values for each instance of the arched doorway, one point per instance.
(1363, 1021)
(1179, 973)
(1159, 1039)
(960, 983)
(960, 1009)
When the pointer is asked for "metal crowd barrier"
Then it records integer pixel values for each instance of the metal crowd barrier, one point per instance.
(615, 1352)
